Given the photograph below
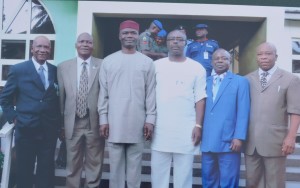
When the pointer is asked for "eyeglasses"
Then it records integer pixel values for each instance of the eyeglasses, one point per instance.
(175, 39)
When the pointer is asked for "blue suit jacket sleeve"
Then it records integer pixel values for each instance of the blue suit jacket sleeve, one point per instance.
(8, 95)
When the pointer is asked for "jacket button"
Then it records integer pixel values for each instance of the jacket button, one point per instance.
(41, 100)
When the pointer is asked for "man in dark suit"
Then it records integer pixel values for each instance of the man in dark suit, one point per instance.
(32, 88)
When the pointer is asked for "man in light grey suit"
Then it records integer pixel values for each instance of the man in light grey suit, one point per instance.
(274, 120)
(78, 102)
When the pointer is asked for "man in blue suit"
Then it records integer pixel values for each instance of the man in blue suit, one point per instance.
(32, 88)
(225, 124)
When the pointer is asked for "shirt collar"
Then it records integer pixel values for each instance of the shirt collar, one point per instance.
(221, 76)
(271, 71)
(80, 61)
(37, 65)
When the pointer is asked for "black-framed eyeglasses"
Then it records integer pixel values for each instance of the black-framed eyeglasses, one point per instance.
(175, 39)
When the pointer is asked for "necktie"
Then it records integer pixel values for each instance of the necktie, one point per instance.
(263, 79)
(42, 75)
(81, 105)
(216, 85)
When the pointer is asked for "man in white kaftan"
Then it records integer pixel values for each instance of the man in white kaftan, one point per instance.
(180, 100)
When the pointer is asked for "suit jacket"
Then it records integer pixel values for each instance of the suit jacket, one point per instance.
(67, 80)
(226, 117)
(35, 106)
(269, 111)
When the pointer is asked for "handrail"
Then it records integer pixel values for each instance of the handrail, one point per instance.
(6, 130)
(6, 133)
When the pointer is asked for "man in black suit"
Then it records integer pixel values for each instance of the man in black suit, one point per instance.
(32, 88)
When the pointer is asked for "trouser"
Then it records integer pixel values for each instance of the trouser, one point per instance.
(220, 170)
(84, 150)
(30, 148)
(265, 172)
(125, 164)
(161, 166)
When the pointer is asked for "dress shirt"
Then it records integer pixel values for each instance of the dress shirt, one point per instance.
(37, 66)
(215, 87)
(270, 72)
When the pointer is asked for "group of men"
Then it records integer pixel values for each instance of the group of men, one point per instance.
(126, 98)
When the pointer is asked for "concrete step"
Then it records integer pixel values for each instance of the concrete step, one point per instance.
(292, 168)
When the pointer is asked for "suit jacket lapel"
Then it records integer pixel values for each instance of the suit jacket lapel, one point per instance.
(93, 72)
(35, 76)
(224, 84)
(256, 83)
(209, 92)
(72, 72)
(51, 74)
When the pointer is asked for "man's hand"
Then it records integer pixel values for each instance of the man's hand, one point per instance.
(61, 134)
(236, 145)
(196, 135)
(288, 146)
(148, 130)
(104, 130)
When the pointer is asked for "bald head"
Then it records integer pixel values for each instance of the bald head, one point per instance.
(267, 45)
(40, 49)
(39, 39)
(221, 60)
(266, 56)
(84, 45)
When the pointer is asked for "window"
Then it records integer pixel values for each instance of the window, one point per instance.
(22, 21)
(13, 49)
(296, 55)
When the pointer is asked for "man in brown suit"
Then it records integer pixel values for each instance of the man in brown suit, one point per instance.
(274, 120)
(78, 101)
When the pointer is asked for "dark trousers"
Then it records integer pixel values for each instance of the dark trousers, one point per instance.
(31, 149)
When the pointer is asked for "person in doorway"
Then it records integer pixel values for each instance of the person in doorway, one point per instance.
(202, 48)
(159, 45)
(184, 30)
(146, 39)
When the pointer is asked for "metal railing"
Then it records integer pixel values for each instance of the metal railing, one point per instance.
(6, 133)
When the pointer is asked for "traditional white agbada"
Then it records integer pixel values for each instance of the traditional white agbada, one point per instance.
(178, 87)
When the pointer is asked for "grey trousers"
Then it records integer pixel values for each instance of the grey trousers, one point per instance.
(125, 164)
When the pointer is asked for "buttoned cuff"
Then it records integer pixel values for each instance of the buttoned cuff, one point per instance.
(103, 119)
(151, 119)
